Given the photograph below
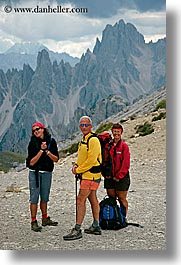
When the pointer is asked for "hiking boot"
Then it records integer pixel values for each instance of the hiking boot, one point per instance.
(48, 221)
(74, 234)
(93, 230)
(35, 227)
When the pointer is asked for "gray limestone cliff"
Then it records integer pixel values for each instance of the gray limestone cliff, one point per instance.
(121, 69)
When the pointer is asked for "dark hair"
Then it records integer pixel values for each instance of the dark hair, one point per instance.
(46, 133)
(117, 126)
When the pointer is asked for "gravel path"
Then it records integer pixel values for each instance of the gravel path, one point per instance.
(147, 205)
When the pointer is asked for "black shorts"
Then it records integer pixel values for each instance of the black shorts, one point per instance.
(122, 185)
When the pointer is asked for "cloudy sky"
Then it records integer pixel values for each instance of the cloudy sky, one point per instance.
(74, 32)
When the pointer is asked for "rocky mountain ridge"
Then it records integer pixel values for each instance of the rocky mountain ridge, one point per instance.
(121, 69)
(141, 110)
(142, 107)
(26, 53)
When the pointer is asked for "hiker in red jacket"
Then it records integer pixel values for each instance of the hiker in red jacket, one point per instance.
(118, 183)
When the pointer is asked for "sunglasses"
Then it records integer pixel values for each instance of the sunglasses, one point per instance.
(36, 129)
(84, 124)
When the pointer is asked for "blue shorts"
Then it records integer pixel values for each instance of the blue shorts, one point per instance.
(43, 190)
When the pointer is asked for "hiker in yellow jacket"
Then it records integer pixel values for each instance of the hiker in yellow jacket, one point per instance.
(87, 166)
(88, 158)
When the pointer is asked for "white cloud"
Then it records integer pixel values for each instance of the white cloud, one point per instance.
(72, 33)
(56, 26)
(5, 44)
(154, 38)
(75, 47)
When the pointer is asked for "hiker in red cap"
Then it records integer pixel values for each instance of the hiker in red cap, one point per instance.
(38, 124)
(42, 153)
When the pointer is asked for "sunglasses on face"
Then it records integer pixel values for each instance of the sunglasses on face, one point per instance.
(36, 129)
(84, 124)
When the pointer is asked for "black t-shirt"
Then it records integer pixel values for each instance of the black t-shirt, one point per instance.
(44, 163)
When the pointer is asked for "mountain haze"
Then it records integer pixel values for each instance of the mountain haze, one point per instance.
(26, 53)
(121, 69)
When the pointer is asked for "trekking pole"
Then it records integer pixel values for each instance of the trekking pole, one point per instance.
(76, 179)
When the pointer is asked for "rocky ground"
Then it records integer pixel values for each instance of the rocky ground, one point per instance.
(147, 202)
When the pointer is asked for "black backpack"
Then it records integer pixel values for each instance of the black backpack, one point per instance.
(112, 216)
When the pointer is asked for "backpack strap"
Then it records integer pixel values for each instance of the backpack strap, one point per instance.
(94, 169)
(49, 143)
(87, 143)
(135, 224)
(92, 135)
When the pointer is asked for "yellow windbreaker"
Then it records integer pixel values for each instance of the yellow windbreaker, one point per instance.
(88, 158)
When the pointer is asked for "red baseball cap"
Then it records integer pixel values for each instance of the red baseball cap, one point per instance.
(38, 124)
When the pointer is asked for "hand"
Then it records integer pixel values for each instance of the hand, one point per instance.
(116, 179)
(108, 177)
(74, 169)
(43, 145)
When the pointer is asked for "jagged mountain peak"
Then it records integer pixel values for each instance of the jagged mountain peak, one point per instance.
(121, 40)
(43, 54)
(121, 68)
(88, 51)
(97, 46)
(43, 59)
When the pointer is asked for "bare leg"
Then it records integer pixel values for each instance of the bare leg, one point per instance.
(94, 205)
(43, 207)
(111, 193)
(122, 198)
(33, 210)
(81, 205)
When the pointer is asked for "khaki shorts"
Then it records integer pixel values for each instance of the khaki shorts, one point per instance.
(86, 184)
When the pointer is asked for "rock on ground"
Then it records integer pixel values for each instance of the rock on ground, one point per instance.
(147, 203)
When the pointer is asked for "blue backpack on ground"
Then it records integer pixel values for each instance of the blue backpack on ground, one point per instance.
(113, 216)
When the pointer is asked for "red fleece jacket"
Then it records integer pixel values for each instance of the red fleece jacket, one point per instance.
(121, 159)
